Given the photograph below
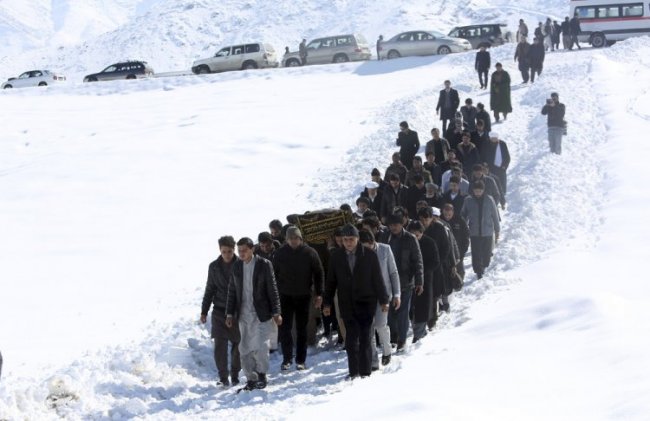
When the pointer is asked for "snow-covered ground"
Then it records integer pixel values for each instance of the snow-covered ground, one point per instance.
(114, 194)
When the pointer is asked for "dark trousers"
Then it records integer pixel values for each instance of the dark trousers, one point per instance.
(222, 334)
(358, 339)
(445, 123)
(483, 77)
(407, 159)
(533, 70)
(303, 60)
(503, 178)
(496, 115)
(481, 253)
(574, 41)
(525, 73)
(398, 320)
(298, 307)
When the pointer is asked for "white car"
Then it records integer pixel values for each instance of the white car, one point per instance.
(33, 78)
(422, 43)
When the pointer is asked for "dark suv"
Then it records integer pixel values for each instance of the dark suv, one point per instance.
(124, 70)
(490, 34)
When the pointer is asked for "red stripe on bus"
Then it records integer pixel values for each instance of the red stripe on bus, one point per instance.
(623, 19)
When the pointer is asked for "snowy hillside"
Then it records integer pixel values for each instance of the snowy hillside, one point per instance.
(114, 195)
(170, 34)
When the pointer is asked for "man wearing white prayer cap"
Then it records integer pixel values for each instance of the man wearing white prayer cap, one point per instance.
(374, 194)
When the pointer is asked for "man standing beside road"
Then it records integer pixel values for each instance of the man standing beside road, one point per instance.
(379, 41)
(302, 51)
(575, 31)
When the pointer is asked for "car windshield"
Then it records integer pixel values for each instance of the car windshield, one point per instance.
(437, 34)
(109, 69)
(223, 52)
(24, 75)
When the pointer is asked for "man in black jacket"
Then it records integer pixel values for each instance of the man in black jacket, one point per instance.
(536, 56)
(395, 194)
(491, 186)
(425, 304)
(216, 292)
(354, 273)
(453, 196)
(408, 143)
(298, 269)
(448, 103)
(574, 25)
(408, 258)
(497, 156)
(254, 300)
(460, 229)
(482, 66)
(565, 28)
(555, 110)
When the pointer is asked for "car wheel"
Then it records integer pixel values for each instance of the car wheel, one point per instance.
(293, 63)
(42, 84)
(249, 65)
(393, 54)
(341, 58)
(203, 70)
(443, 49)
(130, 77)
(598, 40)
(8, 87)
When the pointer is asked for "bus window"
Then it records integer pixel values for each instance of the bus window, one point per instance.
(608, 12)
(632, 10)
(586, 12)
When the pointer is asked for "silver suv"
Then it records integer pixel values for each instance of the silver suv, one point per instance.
(485, 35)
(337, 49)
(238, 57)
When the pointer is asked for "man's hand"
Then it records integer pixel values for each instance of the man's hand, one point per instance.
(437, 112)
(318, 301)
(397, 302)
(496, 237)
(327, 311)
(384, 308)
(228, 321)
(419, 290)
(204, 318)
(278, 319)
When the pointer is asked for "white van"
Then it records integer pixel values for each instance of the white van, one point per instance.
(604, 22)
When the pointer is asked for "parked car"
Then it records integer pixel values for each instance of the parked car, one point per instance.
(336, 49)
(487, 35)
(34, 78)
(422, 43)
(123, 70)
(238, 57)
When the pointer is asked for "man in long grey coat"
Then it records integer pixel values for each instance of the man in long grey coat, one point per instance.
(253, 298)
(391, 282)
(480, 212)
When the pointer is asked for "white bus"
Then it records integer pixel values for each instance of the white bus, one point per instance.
(604, 22)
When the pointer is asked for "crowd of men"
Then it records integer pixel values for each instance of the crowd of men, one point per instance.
(388, 272)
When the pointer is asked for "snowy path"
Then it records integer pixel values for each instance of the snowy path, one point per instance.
(554, 202)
